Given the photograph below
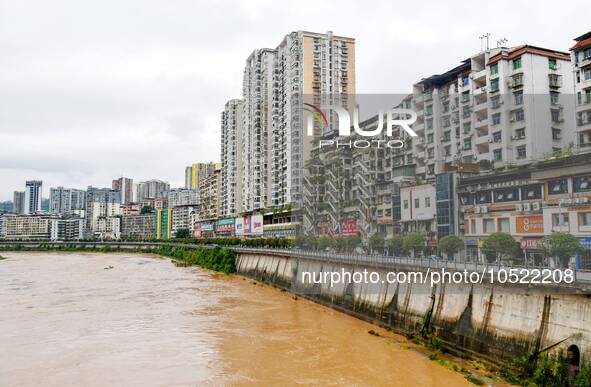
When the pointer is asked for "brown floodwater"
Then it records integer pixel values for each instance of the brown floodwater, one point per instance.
(65, 320)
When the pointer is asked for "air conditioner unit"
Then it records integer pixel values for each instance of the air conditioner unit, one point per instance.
(536, 206)
(477, 209)
(484, 209)
(518, 207)
(526, 207)
(584, 200)
(490, 140)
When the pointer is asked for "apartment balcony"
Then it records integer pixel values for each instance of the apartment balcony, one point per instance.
(479, 76)
(584, 102)
(480, 122)
(483, 139)
(480, 106)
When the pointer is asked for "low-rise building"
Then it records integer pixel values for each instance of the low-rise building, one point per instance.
(28, 227)
(65, 229)
(529, 203)
(137, 226)
(108, 227)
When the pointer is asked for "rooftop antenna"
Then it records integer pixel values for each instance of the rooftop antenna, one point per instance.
(501, 42)
(482, 37)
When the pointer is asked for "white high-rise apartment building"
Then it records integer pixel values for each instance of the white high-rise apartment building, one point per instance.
(500, 108)
(33, 196)
(257, 91)
(581, 61)
(182, 197)
(304, 66)
(125, 186)
(65, 200)
(232, 158)
(152, 189)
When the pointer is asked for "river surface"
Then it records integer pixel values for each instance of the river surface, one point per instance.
(65, 320)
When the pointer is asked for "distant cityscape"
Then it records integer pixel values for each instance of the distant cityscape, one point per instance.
(504, 144)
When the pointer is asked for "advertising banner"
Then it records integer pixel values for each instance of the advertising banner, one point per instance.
(256, 225)
(224, 227)
(349, 227)
(530, 243)
(251, 225)
(533, 224)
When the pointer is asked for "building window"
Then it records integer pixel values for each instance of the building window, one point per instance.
(497, 137)
(521, 152)
(473, 226)
(467, 199)
(406, 204)
(498, 154)
(587, 74)
(556, 134)
(517, 63)
(488, 226)
(554, 80)
(494, 69)
(465, 81)
(417, 203)
(556, 116)
(496, 102)
(494, 85)
(552, 65)
(584, 219)
(484, 197)
(582, 184)
(467, 144)
(560, 220)
(557, 187)
(430, 138)
(427, 202)
(518, 115)
(519, 133)
(503, 224)
(531, 192)
(587, 53)
(506, 195)
(518, 98)
(496, 119)
(554, 97)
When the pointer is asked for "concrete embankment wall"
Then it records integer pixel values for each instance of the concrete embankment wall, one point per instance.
(498, 322)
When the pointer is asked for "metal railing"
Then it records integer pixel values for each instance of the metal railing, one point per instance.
(375, 260)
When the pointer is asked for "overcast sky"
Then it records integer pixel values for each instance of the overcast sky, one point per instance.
(93, 90)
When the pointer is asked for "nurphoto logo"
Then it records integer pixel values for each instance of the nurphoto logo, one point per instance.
(395, 117)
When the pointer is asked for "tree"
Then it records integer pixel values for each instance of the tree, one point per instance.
(326, 242)
(182, 233)
(352, 241)
(376, 243)
(451, 245)
(395, 245)
(561, 246)
(499, 246)
(341, 244)
(414, 242)
(146, 210)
